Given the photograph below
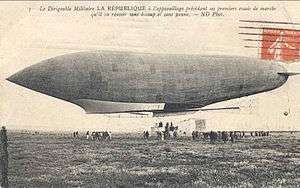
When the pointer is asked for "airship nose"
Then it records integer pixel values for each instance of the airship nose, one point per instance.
(34, 77)
(14, 79)
(23, 78)
(66, 77)
(52, 77)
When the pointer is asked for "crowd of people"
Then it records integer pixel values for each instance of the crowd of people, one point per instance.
(98, 135)
(226, 135)
(166, 132)
(95, 135)
(170, 131)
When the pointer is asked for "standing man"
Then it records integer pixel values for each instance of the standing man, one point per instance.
(3, 157)
(88, 135)
(231, 135)
(109, 135)
(147, 135)
(175, 134)
(224, 136)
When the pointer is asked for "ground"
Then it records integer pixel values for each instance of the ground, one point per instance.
(58, 160)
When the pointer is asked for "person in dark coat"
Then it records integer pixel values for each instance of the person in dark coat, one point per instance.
(213, 136)
(224, 136)
(205, 135)
(97, 135)
(231, 135)
(160, 124)
(147, 135)
(175, 134)
(193, 135)
(172, 128)
(4, 157)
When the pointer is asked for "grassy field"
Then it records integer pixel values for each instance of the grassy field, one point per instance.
(58, 160)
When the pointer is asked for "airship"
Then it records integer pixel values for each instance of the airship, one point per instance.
(104, 82)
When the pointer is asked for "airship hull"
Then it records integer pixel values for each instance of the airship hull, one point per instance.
(165, 82)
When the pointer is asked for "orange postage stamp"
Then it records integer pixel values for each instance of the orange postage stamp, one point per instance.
(280, 44)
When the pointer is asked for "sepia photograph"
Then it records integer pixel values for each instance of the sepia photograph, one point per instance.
(149, 94)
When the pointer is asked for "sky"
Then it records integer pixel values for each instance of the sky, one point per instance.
(28, 36)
